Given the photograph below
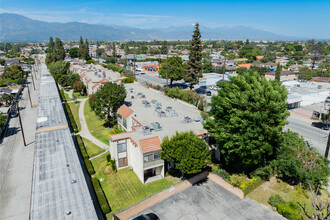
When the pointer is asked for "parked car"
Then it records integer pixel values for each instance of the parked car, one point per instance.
(13, 114)
(322, 125)
(208, 93)
(149, 216)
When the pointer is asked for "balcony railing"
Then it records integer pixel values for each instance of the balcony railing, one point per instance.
(153, 163)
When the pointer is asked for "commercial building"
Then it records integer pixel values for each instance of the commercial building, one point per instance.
(147, 117)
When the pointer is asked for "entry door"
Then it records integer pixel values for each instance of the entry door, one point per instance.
(122, 162)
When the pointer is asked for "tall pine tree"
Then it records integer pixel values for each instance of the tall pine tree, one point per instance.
(195, 66)
(278, 72)
(59, 52)
(50, 50)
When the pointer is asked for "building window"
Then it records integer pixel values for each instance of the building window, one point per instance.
(156, 156)
(124, 123)
(148, 158)
(121, 147)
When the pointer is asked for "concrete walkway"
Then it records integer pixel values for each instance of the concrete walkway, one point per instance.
(97, 156)
(84, 129)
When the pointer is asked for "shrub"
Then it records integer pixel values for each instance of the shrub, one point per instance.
(128, 80)
(251, 185)
(112, 164)
(89, 167)
(71, 118)
(275, 200)
(290, 210)
(238, 179)
(221, 172)
(82, 147)
(100, 196)
(121, 70)
(62, 95)
(116, 130)
(90, 61)
(265, 172)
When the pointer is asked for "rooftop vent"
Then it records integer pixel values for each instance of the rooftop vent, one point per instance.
(173, 113)
(146, 130)
(146, 103)
(168, 108)
(161, 114)
(132, 96)
(95, 73)
(153, 101)
(158, 104)
(156, 126)
(187, 119)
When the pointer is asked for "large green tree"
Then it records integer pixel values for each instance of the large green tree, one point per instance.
(189, 153)
(58, 68)
(107, 101)
(12, 74)
(297, 163)
(73, 52)
(175, 69)
(55, 51)
(278, 72)
(249, 113)
(195, 66)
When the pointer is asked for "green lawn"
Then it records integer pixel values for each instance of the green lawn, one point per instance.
(75, 112)
(124, 188)
(80, 96)
(66, 95)
(95, 125)
(91, 148)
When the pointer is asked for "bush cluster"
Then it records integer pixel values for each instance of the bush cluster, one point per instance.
(187, 95)
(100, 196)
(112, 164)
(121, 70)
(221, 172)
(251, 185)
(291, 211)
(128, 80)
(275, 200)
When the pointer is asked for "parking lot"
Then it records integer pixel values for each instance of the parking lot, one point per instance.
(208, 200)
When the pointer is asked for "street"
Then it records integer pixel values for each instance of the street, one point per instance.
(316, 137)
(16, 160)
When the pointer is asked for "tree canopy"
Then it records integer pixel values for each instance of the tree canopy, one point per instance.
(297, 163)
(12, 74)
(175, 69)
(249, 113)
(107, 100)
(188, 152)
(195, 66)
(55, 51)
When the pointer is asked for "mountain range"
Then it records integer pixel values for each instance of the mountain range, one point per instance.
(18, 28)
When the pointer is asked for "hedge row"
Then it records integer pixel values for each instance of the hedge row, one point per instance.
(62, 95)
(100, 196)
(82, 147)
(71, 118)
(121, 70)
(89, 167)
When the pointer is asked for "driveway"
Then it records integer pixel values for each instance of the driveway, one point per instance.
(208, 201)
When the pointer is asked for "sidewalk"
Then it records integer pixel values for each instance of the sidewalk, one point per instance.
(84, 129)
(16, 160)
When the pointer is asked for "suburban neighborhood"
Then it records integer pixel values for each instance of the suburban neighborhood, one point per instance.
(147, 123)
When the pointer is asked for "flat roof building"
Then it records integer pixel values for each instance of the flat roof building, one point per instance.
(147, 117)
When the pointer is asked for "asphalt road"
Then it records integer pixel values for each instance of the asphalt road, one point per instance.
(16, 161)
(150, 77)
(315, 136)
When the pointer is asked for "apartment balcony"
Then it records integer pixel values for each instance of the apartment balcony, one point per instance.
(154, 163)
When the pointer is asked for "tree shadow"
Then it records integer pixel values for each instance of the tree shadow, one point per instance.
(9, 132)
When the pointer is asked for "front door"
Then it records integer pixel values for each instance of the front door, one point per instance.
(122, 162)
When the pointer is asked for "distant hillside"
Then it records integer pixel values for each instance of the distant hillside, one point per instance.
(14, 27)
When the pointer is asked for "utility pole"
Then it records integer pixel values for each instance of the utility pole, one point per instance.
(20, 122)
(327, 148)
(29, 95)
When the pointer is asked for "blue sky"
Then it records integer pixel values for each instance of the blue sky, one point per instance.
(304, 18)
